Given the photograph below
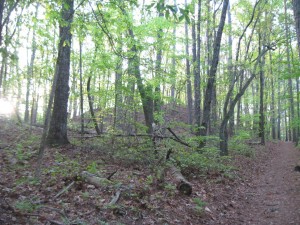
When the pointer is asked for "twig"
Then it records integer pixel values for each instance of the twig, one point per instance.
(178, 139)
(115, 198)
(110, 175)
(64, 190)
(56, 210)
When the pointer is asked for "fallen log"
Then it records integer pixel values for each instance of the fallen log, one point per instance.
(95, 180)
(182, 185)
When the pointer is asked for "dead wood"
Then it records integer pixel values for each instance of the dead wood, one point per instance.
(110, 175)
(94, 180)
(64, 190)
(182, 184)
(175, 138)
(115, 198)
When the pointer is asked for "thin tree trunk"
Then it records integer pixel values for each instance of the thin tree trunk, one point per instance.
(118, 91)
(230, 71)
(173, 68)
(188, 75)
(261, 96)
(273, 118)
(158, 69)
(212, 76)
(197, 81)
(91, 106)
(30, 68)
(81, 89)
(290, 82)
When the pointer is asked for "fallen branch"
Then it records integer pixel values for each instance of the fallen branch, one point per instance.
(177, 138)
(64, 190)
(115, 198)
(110, 175)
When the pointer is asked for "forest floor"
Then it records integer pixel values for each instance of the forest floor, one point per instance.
(263, 189)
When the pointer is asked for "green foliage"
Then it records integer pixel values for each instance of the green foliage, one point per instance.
(199, 163)
(19, 152)
(27, 180)
(92, 167)
(149, 180)
(63, 166)
(237, 144)
(170, 188)
(199, 205)
(25, 206)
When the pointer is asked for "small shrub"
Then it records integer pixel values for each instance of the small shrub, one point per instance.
(25, 206)
(199, 205)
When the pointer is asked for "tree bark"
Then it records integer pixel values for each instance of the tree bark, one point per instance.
(158, 69)
(261, 96)
(81, 89)
(188, 75)
(212, 76)
(292, 128)
(197, 81)
(58, 127)
(182, 185)
(230, 70)
(296, 8)
(91, 106)
(30, 68)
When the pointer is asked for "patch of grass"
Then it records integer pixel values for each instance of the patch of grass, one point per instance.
(93, 167)
(63, 166)
(199, 205)
(25, 206)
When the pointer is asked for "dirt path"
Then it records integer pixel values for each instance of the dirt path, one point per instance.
(274, 197)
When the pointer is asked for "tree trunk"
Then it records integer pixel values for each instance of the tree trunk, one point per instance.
(278, 112)
(173, 69)
(223, 134)
(188, 75)
(30, 68)
(290, 82)
(158, 69)
(58, 127)
(273, 118)
(145, 92)
(118, 92)
(212, 75)
(81, 89)
(296, 8)
(261, 96)
(197, 81)
(230, 70)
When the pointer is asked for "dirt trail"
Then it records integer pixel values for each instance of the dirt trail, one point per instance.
(274, 197)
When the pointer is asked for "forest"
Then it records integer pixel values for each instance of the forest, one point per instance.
(149, 112)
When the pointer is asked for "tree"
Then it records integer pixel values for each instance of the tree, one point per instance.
(58, 126)
(212, 75)
(188, 73)
(296, 8)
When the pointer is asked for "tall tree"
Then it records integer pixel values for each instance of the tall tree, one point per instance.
(296, 9)
(212, 75)
(58, 126)
(188, 73)
(292, 128)
(196, 57)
